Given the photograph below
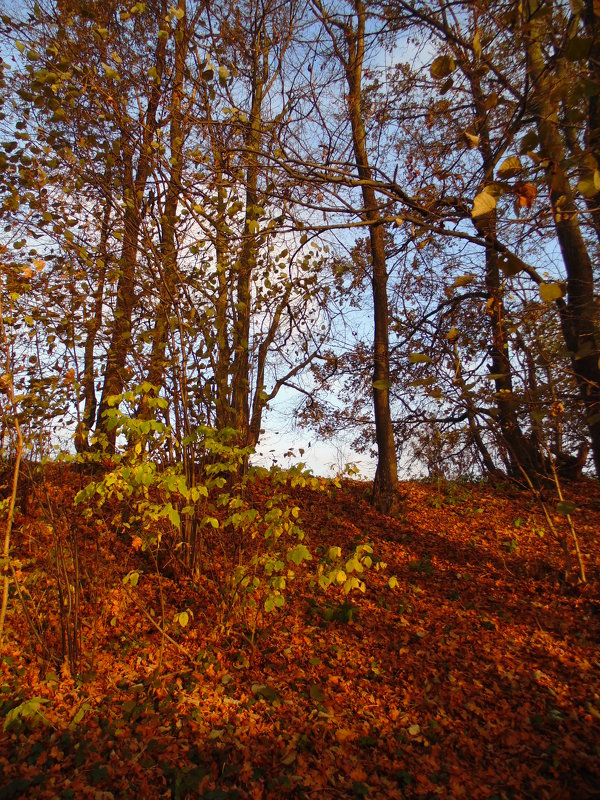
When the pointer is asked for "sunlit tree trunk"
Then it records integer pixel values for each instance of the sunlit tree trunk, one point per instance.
(246, 265)
(94, 325)
(136, 177)
(169, 276)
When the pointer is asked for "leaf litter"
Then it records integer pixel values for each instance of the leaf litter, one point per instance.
(476, 676)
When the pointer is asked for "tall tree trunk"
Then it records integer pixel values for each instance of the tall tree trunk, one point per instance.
(222, 357)
(93, 326)
(592, 27)
(247, 261)
(385, 487)
(523, 453)
(578, 314)
(134, 185)
(168, 249)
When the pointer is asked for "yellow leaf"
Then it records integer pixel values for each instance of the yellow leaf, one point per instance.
(484, 203)
(551, 291)
(472, 139)
(510, 167)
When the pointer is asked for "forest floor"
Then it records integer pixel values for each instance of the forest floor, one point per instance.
(477, 676)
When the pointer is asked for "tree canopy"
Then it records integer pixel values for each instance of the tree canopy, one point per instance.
(388, 208)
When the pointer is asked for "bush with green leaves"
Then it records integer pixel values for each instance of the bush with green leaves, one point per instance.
(208, 511)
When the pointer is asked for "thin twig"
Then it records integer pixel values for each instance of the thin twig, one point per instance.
(158, 627)
(10, 390)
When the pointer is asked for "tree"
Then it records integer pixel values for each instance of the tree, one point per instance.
(578, 313)
(348, 41)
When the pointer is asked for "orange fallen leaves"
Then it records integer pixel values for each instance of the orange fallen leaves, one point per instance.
(476, 677)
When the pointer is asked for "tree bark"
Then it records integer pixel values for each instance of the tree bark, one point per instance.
(169, 275)
(385, 496)
(578, 314)
(93, 327)
(135, 185)
(522, 451)
(246, 264)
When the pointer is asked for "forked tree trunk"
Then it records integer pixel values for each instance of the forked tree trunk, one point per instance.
(169, 276)
(135, 185)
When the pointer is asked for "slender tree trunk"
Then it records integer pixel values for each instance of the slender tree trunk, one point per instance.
(120, 343)
(522, 452)
(168, 249)
(222, 358)
(578, 314)
(474, 430)
(592, 27)
(260, 399)
(93, 327)
(247, 261)
(385, 488)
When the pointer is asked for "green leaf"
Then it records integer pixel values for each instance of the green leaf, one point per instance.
(80, 715)
(132, 578)
(529, 142)
(270, 604)
(419, 358)
(267, 692)
(353, 583)
(30, 709)
(380, 385)
(510, 264)
(551, 291)
(340, 576)
(173, 516)
(299, 554)
(589, 185)
(441, 67)
(110, 72)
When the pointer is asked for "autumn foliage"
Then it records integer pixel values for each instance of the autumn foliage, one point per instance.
(468, 667)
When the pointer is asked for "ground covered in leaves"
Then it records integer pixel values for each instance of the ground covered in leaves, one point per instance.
(476, 676)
